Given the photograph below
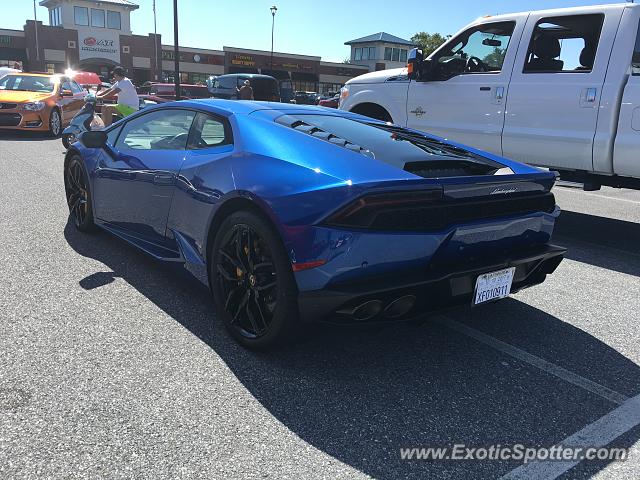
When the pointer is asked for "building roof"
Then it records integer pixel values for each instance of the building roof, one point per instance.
(122, 3)
(380, 37)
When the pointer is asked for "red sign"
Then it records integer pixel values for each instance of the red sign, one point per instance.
(90, 41)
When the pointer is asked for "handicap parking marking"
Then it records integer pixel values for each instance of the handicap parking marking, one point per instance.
(533, 360)
(595, 435)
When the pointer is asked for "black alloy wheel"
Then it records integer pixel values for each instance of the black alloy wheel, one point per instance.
(78, 195)
(253, 282)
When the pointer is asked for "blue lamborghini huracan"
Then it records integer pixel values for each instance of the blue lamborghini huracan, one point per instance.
(296, 214)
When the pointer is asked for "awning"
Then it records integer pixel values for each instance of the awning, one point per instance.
(304, 76)
(277, 74)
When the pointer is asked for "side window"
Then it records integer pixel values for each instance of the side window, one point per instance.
(165, 129)
(112, 135)
(564, 44)
(75, 88)
(66, 85)
(209, 131)
(481, 49)
(228, 82)
(635, 60)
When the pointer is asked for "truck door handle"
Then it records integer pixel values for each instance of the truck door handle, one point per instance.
(499, 93)
(590, 96)
(485, 89)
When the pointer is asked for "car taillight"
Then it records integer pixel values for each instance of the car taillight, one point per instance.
(362, 213)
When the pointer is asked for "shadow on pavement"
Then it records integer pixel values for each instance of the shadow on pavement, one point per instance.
(574, 228)
(360, 395)
(24, 136)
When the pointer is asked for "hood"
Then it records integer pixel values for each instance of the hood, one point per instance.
(19, 96)
(379, 76)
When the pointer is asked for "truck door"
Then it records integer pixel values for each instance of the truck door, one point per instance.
(556, 86)
(463, 99)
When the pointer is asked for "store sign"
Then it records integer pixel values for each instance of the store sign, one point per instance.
(99, 44)
(243, 60)
(193, 57)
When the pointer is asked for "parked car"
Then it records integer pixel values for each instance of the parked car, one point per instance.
(303, 214)
(39, 102)
(555, 88)
(264, 87)
(330, 102)
(88, 80)
(305, 98)
(168, 91)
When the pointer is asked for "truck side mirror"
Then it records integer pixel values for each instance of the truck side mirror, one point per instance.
(414, 63)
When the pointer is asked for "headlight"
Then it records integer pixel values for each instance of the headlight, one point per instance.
(344, 93)
(33, 106)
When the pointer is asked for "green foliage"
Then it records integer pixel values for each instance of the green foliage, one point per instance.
(428, 42)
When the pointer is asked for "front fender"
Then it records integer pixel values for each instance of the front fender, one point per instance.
(390, 96)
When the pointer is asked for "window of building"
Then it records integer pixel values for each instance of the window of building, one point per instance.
(81, 15)
(403, 55)
(396, 55)
(97, 18)
(357, 54)
(564, 44)
(113, 20)
(372, 53)
(55, 17)
(387, 53)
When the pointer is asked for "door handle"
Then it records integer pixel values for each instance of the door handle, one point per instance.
(485, 89)
(590, 96)
(499, 93)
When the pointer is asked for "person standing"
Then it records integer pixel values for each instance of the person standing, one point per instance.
(245, 92)
(128, 102)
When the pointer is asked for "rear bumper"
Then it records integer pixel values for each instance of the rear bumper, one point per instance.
(439, 287)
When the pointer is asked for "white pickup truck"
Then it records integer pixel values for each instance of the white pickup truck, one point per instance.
(554, 88)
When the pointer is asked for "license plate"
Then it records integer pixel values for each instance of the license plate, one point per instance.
(493, 286)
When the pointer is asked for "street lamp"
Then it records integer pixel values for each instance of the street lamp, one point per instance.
(273, 10)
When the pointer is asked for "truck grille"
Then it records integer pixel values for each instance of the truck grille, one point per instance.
(10, 119)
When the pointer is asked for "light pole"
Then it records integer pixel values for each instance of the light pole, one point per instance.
(176, 51)
(273, 9)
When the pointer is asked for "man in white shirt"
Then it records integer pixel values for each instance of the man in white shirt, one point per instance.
(128, 102)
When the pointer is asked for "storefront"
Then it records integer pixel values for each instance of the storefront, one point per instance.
(95, 35)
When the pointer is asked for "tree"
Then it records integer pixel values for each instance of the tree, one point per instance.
(428, 42)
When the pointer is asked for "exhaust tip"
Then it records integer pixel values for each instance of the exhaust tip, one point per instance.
(400, 306)
(367, 310)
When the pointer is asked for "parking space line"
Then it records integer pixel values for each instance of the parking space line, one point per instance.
(595, 435)
(531, 359)
(606, 197)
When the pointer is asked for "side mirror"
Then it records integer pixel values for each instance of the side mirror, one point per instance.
(94, 139)
(414, 63)
(66, 93)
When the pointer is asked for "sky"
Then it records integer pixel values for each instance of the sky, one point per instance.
(301, 27)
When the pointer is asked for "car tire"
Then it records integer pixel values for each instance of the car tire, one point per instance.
(78, 194)
(252, 282)
(55, 123)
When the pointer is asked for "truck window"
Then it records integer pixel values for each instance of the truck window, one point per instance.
(480, 49)
(635, 59)
(564, 44)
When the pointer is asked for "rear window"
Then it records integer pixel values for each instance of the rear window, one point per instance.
(387, 143)
(265, 86)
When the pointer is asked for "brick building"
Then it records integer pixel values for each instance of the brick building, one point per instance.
(95, 35)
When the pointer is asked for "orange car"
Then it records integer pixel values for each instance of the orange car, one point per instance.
(37, 101)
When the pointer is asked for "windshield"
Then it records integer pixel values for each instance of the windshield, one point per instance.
(28, 83)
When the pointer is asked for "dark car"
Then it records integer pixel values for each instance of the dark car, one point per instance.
(168, 91)
(296, 214)
(226, 86)
(305, 98)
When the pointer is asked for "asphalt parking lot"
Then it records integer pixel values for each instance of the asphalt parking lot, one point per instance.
(112, 366)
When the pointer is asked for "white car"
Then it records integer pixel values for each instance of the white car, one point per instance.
(556, 88)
